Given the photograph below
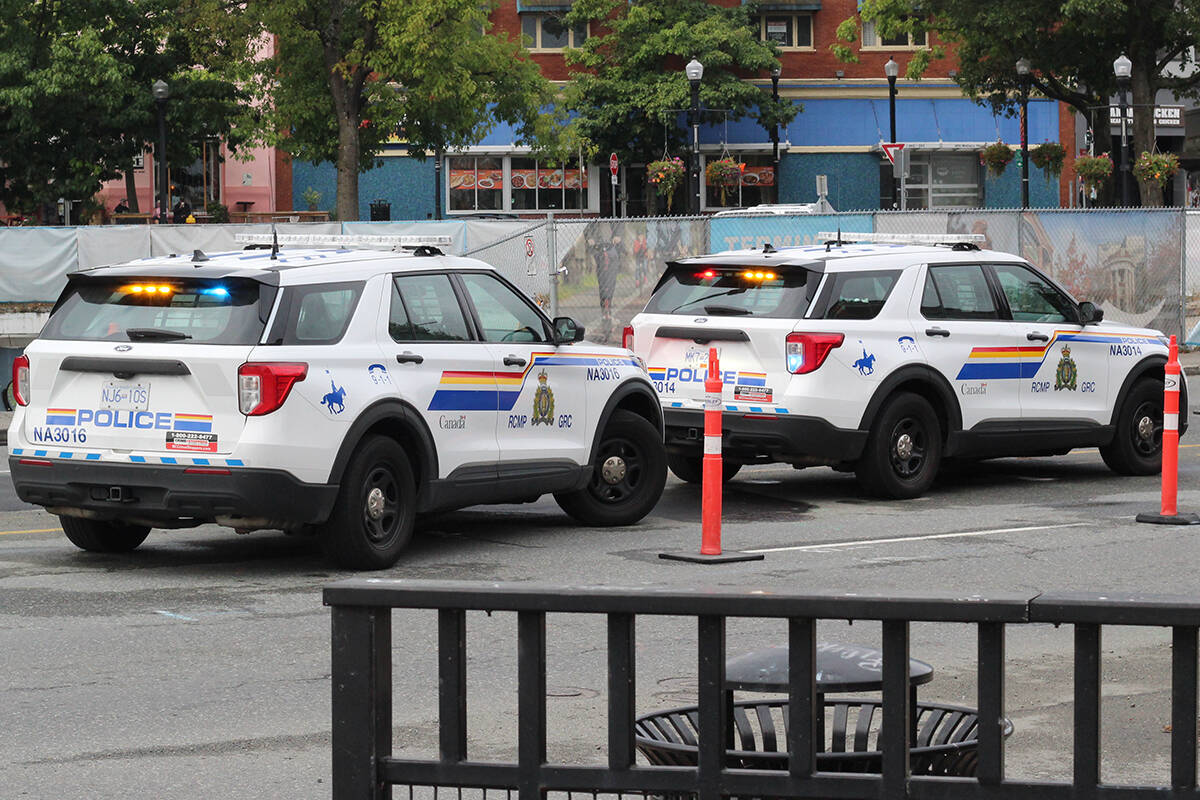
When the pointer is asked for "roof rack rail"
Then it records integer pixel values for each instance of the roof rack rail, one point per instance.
(956, 241)
(421, 245)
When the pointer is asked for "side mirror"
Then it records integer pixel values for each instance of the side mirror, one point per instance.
(567, 331)
(1088, 313)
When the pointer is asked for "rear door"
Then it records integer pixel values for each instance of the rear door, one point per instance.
(744, 313)
(144, 366)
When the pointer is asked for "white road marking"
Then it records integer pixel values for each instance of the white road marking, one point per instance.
(959, 535)
(175, 616)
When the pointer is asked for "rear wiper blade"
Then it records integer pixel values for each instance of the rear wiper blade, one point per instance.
(136, 334)
(729, 311)
(736, 290)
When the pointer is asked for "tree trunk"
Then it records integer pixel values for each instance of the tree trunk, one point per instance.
(347, 168)
(346, 89)
(1143, 126)
(131, 191)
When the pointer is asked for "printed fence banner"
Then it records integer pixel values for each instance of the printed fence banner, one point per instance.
(744, 233)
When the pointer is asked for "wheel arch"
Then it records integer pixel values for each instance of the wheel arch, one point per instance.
(635, 395)
(397, 420)
(922, 380)
(1150, 367)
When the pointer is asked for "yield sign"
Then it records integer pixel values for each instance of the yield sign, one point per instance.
(890, 149)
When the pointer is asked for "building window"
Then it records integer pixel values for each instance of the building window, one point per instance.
(786, 30)
(537, 186)
(942, 180)
(476, 184)
(549, 32)
(871, 39)
(757, 184)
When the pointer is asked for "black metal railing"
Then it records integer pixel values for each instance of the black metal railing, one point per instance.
(364, 766)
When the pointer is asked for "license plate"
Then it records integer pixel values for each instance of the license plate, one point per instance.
(125, 396)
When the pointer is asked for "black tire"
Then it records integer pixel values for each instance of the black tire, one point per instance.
(627, 478)
(691, 468)
(372, 519)
(903, 451)
(103, 536)
(1136, 446)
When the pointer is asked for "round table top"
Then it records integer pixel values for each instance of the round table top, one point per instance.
(841, 667)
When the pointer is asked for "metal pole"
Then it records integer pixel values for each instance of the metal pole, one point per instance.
(696, 183)
(1124, 149)
(1024, 143)
(892, 116)
(437, 171)
(164, 191)
(775, 129)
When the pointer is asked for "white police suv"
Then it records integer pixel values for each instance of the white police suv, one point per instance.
(337, 391)
(885, 358)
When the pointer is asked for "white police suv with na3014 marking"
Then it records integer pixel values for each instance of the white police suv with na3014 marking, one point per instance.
(330, 390)
(887, 356)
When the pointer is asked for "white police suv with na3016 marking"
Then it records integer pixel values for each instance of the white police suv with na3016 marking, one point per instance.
(330, 390)
(886, 354)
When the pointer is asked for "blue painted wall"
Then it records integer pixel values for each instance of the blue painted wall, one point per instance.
(853, 179)
(405, 183)
(1005, 191)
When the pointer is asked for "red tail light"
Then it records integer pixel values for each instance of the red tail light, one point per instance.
(807, 351)
(20, 380)
(627, 337)
(262, 387)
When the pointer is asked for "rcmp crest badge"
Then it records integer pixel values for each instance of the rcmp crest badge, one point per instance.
(543, 402)
(1064, 376)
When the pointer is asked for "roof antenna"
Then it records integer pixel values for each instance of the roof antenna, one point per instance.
(274, 243)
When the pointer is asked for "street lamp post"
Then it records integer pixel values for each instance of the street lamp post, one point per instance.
(1122, 68)
(775, 73)
(162, 93)
(695, 71)
(1023, 76)
(892, 70)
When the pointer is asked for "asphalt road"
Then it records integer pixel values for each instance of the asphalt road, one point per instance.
(198, 666)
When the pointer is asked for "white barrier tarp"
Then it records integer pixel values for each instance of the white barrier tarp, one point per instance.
(34, 263)
(184, 239)
(113, 244)
(456, 230)
(912, 222)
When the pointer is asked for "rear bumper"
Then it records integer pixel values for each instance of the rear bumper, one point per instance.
(167, 494)
(791, 439)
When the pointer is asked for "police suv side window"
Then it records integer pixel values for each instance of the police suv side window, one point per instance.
(425, 309)
(503, 315)
(320, 313)
(858, 295)
(957, 291)
(1032, 298)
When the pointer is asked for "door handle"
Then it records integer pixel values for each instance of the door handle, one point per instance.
(514, 361)
(409, 358)
(1037, 337)
(936, 332)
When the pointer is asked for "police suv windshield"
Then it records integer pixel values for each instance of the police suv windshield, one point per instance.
(174, 310)
(734, 291)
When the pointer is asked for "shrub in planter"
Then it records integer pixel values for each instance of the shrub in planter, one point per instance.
(724, 173)
(1156, 167)
(666, 174)
(1049, 157)
(1094, 170)
(217, 212)
(996, 156)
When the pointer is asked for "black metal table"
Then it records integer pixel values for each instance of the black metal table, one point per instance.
(841, 667)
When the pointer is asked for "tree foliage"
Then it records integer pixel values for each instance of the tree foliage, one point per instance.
(1071, 45)
(349, 75)
(629, 90)
(75, 101)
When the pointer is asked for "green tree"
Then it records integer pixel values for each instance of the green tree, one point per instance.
(75, 102)
(628, 83)
(1071, 45)
(350, 74)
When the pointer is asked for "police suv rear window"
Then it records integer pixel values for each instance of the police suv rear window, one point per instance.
(734, 291)
(176, 310)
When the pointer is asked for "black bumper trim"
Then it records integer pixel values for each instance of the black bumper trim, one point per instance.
(790, 439)
(167, 493)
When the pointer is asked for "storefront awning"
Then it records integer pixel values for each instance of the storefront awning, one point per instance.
(528, 6)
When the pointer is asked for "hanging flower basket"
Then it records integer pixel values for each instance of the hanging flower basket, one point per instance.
(1049, 157)
(1094, 170)
(1156, 167)
(666, 175)
(724, 173)
(996, 156)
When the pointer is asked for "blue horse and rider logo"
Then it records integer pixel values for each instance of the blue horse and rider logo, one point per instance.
(866, 364)
(335, 399)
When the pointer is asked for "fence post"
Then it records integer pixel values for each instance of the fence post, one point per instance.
(362, 701)
(552, 261)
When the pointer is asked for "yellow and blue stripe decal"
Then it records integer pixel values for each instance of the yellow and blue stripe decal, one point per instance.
(463, 390)
(72, 455)
(1001, 363)
(60, 416)
(196, 423)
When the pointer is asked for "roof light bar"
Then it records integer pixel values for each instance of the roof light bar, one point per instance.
(343, 239)
(850, 237)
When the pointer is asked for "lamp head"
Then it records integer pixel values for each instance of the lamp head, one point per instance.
(694, 70)
(1122, 67)
(891, 68)
(160, 90)
(776, 71)
(1023, 67)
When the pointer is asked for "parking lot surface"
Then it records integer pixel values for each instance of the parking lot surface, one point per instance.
(198, 666)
